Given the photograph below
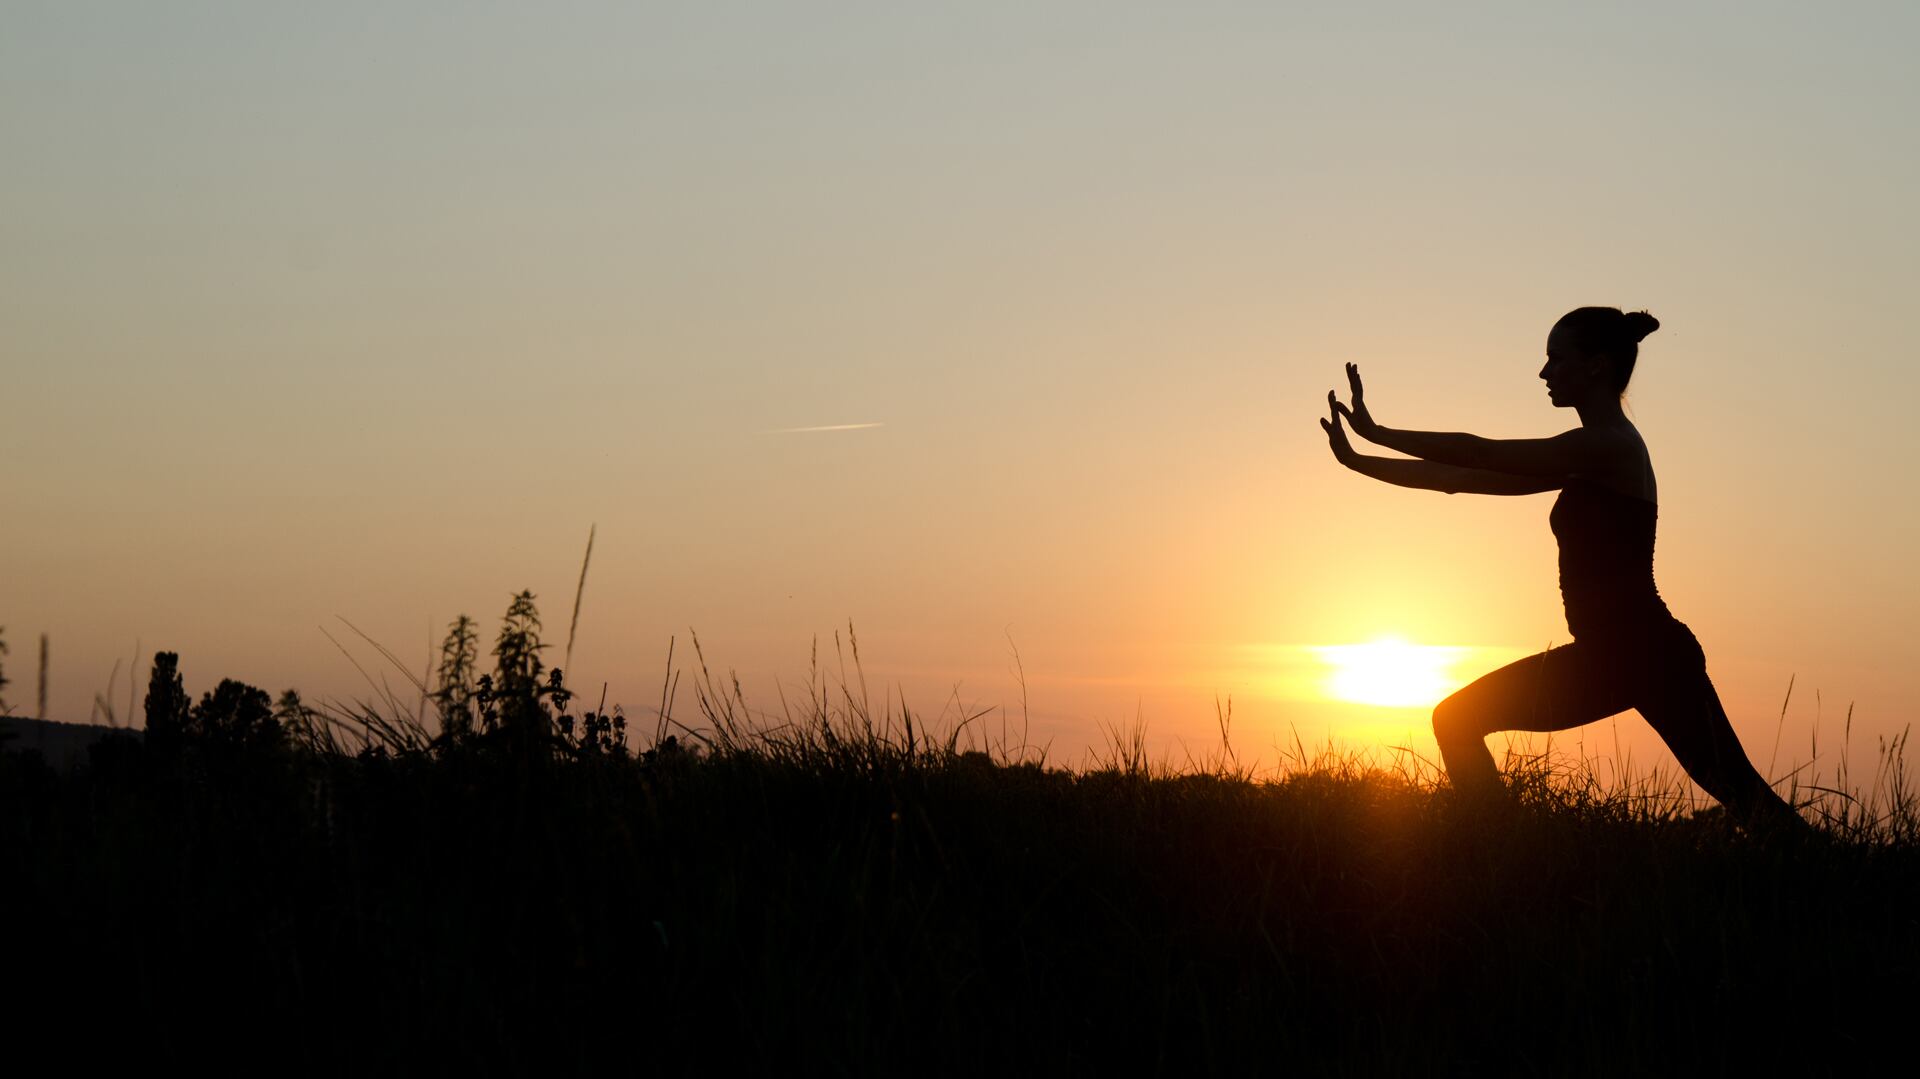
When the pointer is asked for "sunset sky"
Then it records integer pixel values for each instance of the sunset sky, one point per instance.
(981, 327)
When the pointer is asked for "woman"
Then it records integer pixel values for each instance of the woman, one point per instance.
(1628, 650)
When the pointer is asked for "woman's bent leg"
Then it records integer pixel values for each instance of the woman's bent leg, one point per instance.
(1568, 686)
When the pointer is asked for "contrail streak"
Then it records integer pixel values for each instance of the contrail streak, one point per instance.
(829, 427)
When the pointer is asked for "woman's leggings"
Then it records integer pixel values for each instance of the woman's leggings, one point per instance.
(1659, 671)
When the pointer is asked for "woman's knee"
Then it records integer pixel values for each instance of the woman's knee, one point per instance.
(1456, 719)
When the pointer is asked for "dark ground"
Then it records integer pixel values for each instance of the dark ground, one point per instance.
(479, 911)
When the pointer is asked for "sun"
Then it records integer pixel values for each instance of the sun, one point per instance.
(1391, 671)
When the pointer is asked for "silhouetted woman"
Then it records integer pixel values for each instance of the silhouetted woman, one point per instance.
(1628, 651)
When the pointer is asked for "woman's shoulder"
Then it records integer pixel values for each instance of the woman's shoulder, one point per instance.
(1628, 471)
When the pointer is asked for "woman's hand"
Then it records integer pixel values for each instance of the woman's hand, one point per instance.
(1337, 438)
(1357, 415)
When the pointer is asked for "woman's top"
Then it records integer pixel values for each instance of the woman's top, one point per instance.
(1606, 561)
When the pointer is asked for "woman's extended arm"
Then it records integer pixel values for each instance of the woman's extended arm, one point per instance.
(1432, 475)
(1578, 450)
(1582, 449)
(1452, 479)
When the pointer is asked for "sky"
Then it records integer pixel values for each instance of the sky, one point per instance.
(998, 333)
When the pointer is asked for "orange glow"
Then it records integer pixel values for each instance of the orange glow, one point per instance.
(1391, 671)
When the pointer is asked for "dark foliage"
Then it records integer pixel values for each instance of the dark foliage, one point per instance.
(168, 708)
(233, 717)
(843, 894)
(236, 716)
(483, 911)
(454, 689)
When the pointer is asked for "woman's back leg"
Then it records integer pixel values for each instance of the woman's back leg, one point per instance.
(1683, 707)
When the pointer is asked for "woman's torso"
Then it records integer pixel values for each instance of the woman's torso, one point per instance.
(1605, 528)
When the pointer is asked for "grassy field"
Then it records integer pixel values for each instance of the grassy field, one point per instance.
(344, 891)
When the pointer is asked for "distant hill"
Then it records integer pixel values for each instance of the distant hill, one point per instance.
(62, 745)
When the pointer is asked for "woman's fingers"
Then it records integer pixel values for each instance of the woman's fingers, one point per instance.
(1337, 439)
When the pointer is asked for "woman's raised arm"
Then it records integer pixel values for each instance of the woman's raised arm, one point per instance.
(1432, 475)
(1580, 450)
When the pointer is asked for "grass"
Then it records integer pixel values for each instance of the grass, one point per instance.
(857, 890)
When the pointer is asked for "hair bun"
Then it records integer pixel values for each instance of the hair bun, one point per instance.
(1638, 324)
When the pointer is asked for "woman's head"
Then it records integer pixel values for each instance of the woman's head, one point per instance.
(1596, 344)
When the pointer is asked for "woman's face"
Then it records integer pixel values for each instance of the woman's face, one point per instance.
(1571, 374)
